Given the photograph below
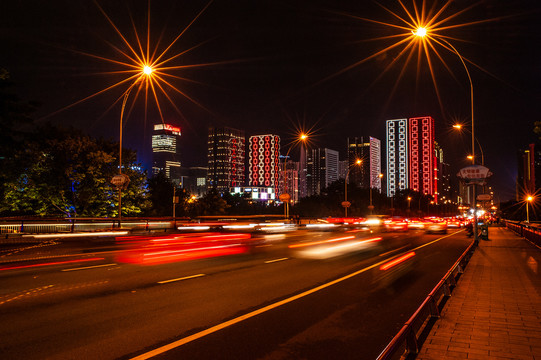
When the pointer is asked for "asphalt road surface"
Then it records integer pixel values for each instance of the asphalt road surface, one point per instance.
(96, 299)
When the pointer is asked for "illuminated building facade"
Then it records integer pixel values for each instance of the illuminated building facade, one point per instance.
(264, 161)
(322, 169)
(423, 168)
(397, 156)
(369, 151)
(411, 156)
(165, 156)
(226, 158)
(529, 170)
(289, 182)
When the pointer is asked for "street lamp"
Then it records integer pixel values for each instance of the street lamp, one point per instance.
(459, 127)
(421, 32)
(346, 203)
(121, 180)
(371, 206)
(285, 196)
(409, 204)
(529, 199)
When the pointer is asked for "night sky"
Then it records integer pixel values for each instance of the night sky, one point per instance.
(277, 66)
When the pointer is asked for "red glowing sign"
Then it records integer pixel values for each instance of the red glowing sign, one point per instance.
(174, 129)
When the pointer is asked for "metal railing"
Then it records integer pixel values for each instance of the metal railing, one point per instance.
(64, 225)
(529, 231)
(408, 340)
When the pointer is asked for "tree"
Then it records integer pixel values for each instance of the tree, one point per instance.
(66, 173)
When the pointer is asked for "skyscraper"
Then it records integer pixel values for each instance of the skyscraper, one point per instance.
(411, 157)
(529, 170)
(369, 151)
(322, 169)
(423, 163)
(165, 156)
(264, 167)
(397, 156)
(226, 158)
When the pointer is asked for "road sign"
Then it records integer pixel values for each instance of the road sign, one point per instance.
(346, 204)
(484, 197)
(285, 197)
(121, 181)
(474, 172)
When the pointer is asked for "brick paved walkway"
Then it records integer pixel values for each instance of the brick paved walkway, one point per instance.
(495, 311)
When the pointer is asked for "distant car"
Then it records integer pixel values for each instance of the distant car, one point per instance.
(454, 223)
(395, 224)
(435, 226)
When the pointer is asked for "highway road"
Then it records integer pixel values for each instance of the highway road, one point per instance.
(104, 299)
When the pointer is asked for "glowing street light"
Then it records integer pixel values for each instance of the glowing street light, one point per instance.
(529, 199)
(460, 127)
(346, 203)
(285, 197)
(122, 180)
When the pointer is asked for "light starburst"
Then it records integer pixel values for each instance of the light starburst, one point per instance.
(419, 32)
(148, 70)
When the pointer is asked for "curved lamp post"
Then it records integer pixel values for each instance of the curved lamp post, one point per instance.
(286, 197)
(123, 180)
(422, 32)
(459, 127)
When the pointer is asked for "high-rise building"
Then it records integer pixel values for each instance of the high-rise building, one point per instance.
(194, 179)
(397, 156)
(411, 156)
(289, 182)
(322, 169)
(529, 171)
(303, 189)
(264, 158)
(422, 160)
(165, 156)
(226, 158)
(369, 151)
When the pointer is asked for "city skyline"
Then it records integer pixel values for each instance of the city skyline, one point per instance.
(266, 78)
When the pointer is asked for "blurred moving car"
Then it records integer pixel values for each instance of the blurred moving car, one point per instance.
(454, 223)
(395, 224)
(435, 226)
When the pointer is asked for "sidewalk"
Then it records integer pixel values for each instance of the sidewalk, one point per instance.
(495, 310)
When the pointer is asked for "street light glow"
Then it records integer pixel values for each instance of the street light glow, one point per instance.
(457, 126)
(529, 198)
(147, 70)
(420, 31)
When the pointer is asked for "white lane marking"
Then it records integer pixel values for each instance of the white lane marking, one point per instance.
(249, 315)
(89, 267)
(180, 279)
(275, 260)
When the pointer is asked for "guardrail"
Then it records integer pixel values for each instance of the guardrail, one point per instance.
(407, 342)
(40, 226)
(529, 231)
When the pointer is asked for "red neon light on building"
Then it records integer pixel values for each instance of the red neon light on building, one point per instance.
(423, 162)
(264, 160)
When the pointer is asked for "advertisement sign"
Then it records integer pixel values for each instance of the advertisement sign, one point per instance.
(474, 172)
